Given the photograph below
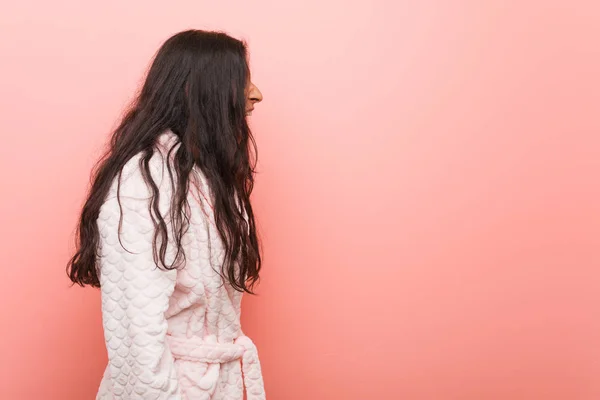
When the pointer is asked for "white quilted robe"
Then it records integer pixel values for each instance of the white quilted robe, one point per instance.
(169, 334)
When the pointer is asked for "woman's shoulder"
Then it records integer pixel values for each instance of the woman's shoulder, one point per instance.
(132, 181)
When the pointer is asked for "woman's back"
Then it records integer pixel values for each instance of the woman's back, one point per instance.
(170, 333)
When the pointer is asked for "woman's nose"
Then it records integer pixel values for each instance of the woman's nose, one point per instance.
(255, 94)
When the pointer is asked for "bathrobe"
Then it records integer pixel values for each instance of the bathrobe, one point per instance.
(170, 334)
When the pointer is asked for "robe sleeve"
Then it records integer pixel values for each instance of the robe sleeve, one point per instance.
(135, 292)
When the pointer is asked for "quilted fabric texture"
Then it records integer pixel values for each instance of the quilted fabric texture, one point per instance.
(169, 334)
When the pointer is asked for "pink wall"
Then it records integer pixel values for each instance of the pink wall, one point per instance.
(429, 192)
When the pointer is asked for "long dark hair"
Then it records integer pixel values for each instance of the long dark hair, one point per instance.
(196, 88)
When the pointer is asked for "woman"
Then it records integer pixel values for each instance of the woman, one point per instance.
(168, 231)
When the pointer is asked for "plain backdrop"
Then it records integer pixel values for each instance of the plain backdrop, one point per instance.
(428, 191)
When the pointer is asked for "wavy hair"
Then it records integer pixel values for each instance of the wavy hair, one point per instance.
(195, 87)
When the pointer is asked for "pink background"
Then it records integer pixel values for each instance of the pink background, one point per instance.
(428, 195)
